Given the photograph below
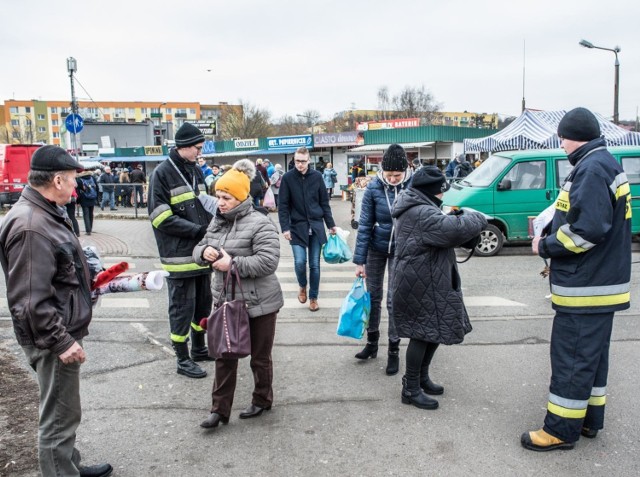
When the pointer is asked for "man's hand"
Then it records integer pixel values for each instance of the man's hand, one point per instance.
(360, 271)
(534, 244)
(75, 354)
(287, 235)
(333, 230)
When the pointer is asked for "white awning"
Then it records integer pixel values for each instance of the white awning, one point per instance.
(384, 147)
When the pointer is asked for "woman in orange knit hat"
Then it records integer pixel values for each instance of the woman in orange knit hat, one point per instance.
(243, 236)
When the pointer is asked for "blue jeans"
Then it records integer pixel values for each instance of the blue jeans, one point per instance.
(300, 262)
(108, 195)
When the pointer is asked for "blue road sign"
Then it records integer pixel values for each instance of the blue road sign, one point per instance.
(74, 123)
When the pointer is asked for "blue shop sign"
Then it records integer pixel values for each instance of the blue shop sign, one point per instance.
(287, 142)
(209, 147)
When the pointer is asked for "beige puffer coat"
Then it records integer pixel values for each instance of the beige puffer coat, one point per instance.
(251, 238)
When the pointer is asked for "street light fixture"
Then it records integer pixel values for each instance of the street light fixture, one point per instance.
(312, 119)
(616, 87)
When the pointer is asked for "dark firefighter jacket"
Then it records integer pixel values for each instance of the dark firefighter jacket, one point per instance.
(590, 239)
(179, 220)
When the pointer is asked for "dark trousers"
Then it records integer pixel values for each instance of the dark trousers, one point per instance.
(579, 369)
(263, 330)
(71, 212)
(189, 302)
(60, 412)
(87, 216)
(376, 263)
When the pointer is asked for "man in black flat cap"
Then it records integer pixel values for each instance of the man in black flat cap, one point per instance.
(589, 244)
(48, 295)
(179, 221)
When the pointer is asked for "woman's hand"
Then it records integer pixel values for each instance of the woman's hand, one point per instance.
(210, 254)
(360, 272)
(223, 264)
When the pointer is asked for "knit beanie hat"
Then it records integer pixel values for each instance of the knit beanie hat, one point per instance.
(188, 135)
(394, 159)
(237, 180)
(579, 124)
(430, 180)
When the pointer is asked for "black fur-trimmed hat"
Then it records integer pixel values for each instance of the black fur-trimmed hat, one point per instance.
(394, 159)
(188, 135)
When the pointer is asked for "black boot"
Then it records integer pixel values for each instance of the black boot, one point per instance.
(413, 394)
(199, 351)
(371, 348)
(186, 366)
(426, 384)
(393, 359)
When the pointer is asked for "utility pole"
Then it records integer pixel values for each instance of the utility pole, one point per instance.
(72, 67)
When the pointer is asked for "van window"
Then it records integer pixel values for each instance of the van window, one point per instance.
(491, 168)
(528, 175)
(563, 168)
(631, 166)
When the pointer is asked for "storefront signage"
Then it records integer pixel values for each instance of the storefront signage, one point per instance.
(208, 128)
(388, 124)
(245, 143)
(153, 150)
(285, 142)
(349, 138)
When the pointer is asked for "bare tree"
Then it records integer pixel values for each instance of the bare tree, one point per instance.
(289, 126)
(251, 122)
(416, 103)
(383, 101)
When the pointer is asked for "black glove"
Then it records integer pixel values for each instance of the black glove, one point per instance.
(456, 212)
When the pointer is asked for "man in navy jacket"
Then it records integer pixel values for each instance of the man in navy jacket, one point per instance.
(303, 206)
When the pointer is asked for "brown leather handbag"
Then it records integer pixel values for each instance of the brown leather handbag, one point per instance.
(228, 335)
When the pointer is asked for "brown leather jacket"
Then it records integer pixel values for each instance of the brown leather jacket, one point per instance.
(46, 274)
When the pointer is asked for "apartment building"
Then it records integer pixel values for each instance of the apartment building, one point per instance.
(42, 121)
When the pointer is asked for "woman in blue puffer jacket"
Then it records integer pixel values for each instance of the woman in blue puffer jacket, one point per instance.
(375, 247)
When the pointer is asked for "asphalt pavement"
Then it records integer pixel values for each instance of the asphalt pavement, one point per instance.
(333, 414)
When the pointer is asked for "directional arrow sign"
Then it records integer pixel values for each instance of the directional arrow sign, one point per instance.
(74, 123)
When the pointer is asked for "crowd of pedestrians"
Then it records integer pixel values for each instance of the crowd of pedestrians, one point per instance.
(402, 232)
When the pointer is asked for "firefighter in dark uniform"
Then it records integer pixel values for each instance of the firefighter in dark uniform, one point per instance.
(589, 244)
(179, 222)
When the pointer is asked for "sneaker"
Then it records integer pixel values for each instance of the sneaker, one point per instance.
(313, 304)
(542, 441)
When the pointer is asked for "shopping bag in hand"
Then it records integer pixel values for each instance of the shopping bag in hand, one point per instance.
(354, 313)
(336, 250)
(269, 199)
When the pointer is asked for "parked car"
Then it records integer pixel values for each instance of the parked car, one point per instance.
(512, 187)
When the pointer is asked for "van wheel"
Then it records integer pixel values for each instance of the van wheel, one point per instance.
(491, 241)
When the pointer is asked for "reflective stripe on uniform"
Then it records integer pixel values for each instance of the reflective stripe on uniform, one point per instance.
(569, 408)
(160, 214)
(598, 397)
(197, 327)
(605, 295)
(178, 338)
(181, 264)
(182, 198)
(620, 186)
(572, 241)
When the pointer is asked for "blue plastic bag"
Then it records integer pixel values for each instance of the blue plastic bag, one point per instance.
(354, 313)
(336, 250)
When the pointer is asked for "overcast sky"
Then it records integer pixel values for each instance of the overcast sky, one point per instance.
(290, 56)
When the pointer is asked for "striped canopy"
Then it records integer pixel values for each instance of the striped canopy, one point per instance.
(537, 130)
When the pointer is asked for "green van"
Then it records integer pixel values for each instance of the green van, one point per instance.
(513, 186)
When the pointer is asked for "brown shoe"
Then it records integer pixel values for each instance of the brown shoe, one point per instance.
(302, 295)
(313, 304)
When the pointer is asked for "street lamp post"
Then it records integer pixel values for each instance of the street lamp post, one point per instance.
(72, 67)
(616, 87)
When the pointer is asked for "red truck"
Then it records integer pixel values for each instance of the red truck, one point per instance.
(14, 167)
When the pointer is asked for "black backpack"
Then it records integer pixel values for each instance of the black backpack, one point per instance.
(89, 188)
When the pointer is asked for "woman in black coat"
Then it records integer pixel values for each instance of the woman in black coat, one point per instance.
(425, 285)
(87, 188)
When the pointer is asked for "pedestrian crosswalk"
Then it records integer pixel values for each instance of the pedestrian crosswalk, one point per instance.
(336, 281)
